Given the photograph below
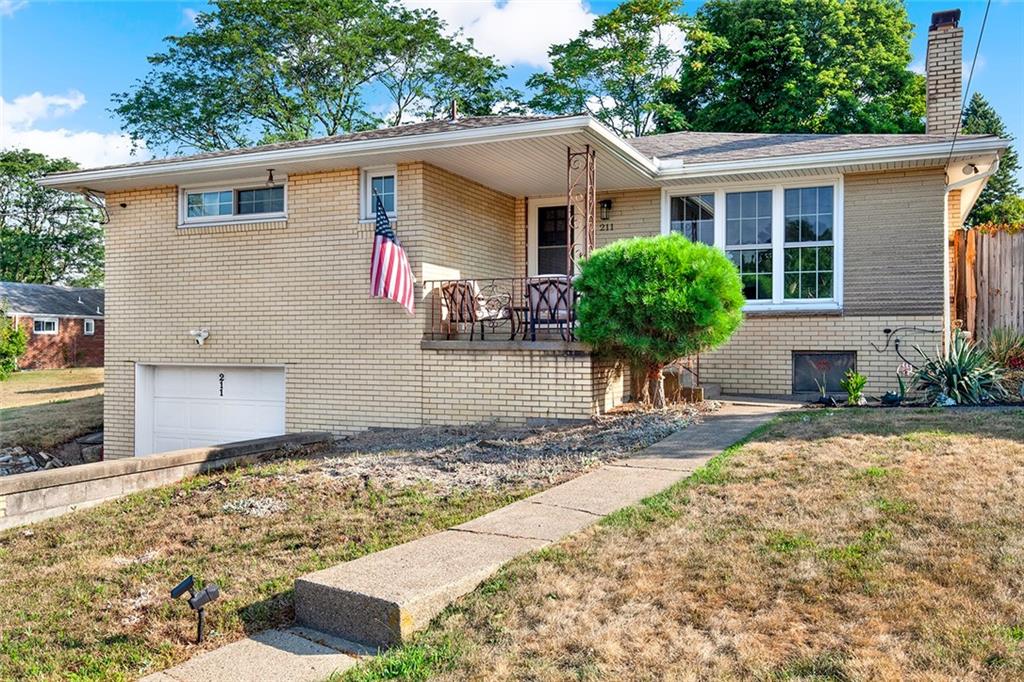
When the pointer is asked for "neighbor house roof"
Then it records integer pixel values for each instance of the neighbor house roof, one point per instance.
(45, 299)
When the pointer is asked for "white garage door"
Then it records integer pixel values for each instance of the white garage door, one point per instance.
(187, 407)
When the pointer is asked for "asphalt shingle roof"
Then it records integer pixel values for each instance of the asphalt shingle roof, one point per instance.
(692, 147)
(45, 299)
(689, 147)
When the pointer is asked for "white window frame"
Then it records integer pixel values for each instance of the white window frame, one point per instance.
(37, 320)
(778, 301)
(234, 218)
(367, 211)
(89, 327)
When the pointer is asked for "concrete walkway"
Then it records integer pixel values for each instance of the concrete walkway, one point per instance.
(382, 598)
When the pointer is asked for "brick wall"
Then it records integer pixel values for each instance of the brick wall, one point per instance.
(514, 386)
(944, 76)
(69, 347)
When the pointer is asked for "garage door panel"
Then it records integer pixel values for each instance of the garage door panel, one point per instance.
(188, 409)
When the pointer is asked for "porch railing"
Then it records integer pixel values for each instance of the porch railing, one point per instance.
(541, 308)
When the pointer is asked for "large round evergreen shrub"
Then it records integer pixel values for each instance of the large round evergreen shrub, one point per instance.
(653, 300)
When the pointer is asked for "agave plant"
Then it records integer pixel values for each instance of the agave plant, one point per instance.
(1006, 347)
(967, 376)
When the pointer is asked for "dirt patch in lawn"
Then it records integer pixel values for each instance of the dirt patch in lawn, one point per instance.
(86, 596)
(839, 545)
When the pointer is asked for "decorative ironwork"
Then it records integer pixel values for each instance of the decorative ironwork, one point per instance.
(581, 200)
(526, 308)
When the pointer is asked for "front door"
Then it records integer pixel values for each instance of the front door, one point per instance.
(552, 237)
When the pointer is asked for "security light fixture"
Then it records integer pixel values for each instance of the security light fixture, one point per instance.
(199, 335)
(970, 169)
(606, 208)
(270, 176)
(197, 601)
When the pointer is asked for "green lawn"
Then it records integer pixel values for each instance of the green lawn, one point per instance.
(45, 408)
(848, 544)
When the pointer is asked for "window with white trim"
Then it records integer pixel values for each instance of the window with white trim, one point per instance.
(45, 325)
(378, 182)
(245, 203)
(784, 239)
(748, 240)
(808, 258)
(89, 327)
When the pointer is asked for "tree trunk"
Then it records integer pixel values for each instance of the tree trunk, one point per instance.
(656, 388)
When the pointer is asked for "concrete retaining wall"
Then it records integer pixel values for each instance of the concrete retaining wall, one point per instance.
(27, 498)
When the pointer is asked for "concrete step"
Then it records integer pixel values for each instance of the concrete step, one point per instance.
(382, 598)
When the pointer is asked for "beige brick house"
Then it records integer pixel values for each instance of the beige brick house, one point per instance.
(842, 242)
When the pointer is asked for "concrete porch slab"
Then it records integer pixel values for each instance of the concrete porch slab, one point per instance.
(382, 598)
(268, 655)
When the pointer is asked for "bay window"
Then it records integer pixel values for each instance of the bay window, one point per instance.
(784, 239)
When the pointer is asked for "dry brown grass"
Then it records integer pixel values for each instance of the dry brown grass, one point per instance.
(843, 544)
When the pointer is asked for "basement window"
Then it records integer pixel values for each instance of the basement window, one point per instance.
(45, 325)
(248, 202)
(814, 370)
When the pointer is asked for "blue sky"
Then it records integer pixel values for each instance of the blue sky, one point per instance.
(60, 61)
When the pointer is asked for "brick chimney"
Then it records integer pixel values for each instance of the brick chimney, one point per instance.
(944, 73)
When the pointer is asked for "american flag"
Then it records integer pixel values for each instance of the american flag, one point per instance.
(390, 274)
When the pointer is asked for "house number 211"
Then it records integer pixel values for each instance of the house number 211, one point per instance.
(221, 377)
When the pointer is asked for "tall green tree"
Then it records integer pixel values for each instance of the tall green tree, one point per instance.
(47, 236)
(619, 69)
(253, 72)
(799, 66)
(1000, 202)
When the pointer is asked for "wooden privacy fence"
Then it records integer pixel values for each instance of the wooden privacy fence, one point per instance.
(989, 281)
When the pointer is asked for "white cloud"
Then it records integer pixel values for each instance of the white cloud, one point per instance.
(189, 15)
(918, 67)
(9, 7)
(18, 129)
(515, 31)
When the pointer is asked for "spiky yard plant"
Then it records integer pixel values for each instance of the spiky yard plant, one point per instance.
(966, 375)
(1006, 348)
(653, 300)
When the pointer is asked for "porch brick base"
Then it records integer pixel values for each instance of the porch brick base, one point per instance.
(518, 386)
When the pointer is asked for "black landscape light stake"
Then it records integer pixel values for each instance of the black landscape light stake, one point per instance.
(197, 601)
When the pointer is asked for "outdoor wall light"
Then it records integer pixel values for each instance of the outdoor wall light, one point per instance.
(970, 169)
(197, 601)
(199, 335)
(606, 208)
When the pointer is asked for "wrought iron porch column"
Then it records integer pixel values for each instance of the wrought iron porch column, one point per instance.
(581, 205)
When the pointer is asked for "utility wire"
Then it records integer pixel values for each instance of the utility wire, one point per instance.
(970, 77)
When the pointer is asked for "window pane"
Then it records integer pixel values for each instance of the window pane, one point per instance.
(206, 204)
(808, 272)
(753, 213)
(694, 217)
(384, 187)
(264, 200)
(808, 214)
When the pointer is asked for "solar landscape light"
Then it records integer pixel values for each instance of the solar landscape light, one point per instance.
(197, 601)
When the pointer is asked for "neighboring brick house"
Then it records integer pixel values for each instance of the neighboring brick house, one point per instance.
(64, 324)
(842, 242)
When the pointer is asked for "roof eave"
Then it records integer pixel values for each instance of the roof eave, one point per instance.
(78, 180)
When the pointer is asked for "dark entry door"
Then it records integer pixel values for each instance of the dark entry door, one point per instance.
(552, 235)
